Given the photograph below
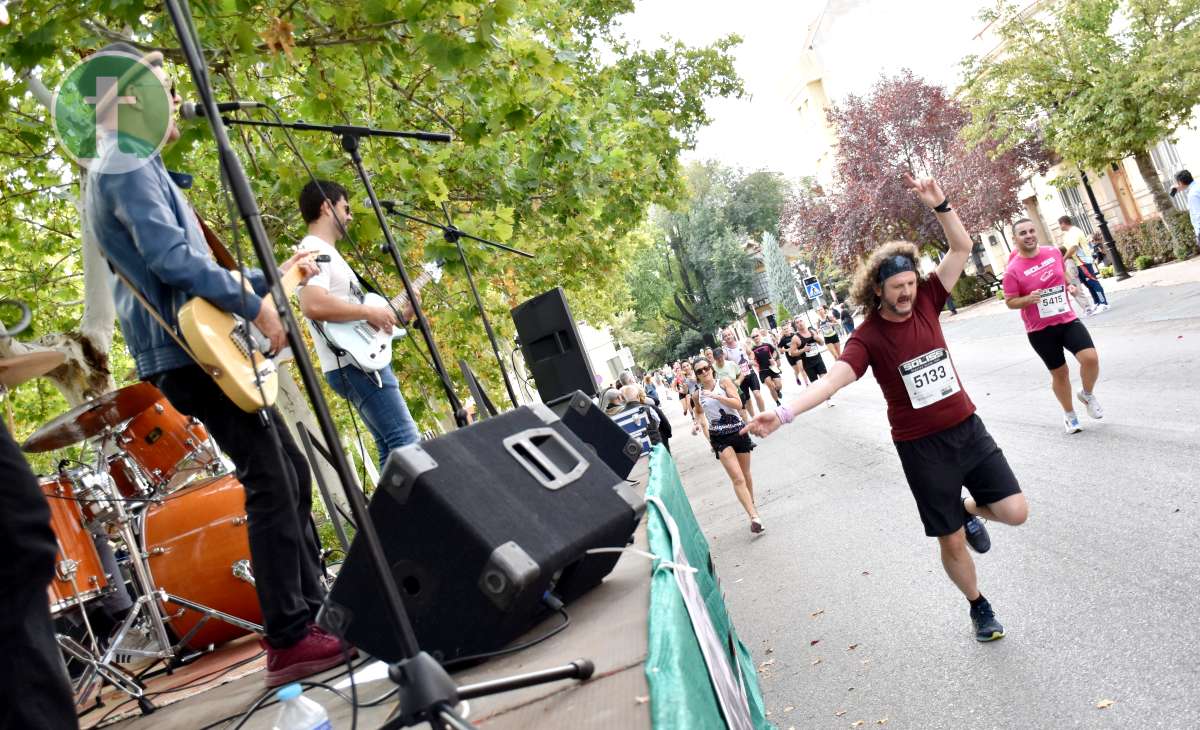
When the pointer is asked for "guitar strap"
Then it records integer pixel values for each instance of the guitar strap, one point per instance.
(153, 312)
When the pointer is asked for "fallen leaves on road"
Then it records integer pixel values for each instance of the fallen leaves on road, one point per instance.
(858, 723)
(839, 713)
(770, 650)
(866, 572)
(814, 642)
(789, 708)
(766, 664)
(641, 699)
(816, 613)
(881, 721)
(852, 647)
(816, 661)
(1104, 704)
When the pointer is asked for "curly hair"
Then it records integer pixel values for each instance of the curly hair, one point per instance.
(862, 290)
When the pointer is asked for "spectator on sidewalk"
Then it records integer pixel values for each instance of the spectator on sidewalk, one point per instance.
(1076, 243)
(1074, 278)
(1191, 195)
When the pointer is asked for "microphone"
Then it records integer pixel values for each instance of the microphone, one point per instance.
(192, 110)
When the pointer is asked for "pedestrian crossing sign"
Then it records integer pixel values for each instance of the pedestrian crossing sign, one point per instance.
(812, 288)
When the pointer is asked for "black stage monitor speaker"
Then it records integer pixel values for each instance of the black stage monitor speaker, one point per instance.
(478, 525)
(551, 347)
(612, 444)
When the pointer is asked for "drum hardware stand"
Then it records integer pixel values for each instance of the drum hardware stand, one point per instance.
(426, 691)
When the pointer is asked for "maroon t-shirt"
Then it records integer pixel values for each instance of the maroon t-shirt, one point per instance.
(912, 365)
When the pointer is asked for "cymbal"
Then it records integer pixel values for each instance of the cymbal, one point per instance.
(19, 368)
(92, 418)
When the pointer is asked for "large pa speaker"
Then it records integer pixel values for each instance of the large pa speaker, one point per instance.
(477, 526)
(616, 448)
(551, 347)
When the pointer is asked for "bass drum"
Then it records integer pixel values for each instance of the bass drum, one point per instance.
(198, 545)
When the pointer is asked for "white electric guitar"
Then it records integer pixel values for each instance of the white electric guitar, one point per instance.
(367, 347)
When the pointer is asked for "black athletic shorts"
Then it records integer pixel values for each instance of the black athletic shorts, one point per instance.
(749, 383)
(832, 339)
(814, 367)
(792, 360)
(769, 373)
(939, 465)
(1050, 342)
(739, 442)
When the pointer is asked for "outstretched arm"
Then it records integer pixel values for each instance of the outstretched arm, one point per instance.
(930, 193)
(840, 375)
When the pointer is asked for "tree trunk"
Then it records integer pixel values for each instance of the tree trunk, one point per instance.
(85, 374)
(1145, 166)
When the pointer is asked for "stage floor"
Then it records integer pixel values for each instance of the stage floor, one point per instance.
(608, 626)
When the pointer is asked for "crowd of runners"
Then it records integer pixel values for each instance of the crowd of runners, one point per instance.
(942, 444)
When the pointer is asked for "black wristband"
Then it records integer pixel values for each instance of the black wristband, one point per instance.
(944, 206)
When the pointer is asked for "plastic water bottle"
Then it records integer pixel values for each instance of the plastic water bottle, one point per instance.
(297, 712)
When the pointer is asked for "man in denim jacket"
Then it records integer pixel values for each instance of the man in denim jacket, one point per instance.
(151, 236)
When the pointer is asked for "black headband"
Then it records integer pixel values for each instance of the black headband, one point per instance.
(894, 265)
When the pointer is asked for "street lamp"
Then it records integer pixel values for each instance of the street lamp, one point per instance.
(1118, 264)
(750, 306)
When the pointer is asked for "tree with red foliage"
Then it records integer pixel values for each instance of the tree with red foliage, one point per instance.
(905, 125)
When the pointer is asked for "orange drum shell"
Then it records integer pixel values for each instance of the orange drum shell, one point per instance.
(74, 543)
(159, 439)
(193, 541)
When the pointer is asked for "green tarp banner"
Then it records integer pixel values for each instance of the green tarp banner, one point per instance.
(681, 691)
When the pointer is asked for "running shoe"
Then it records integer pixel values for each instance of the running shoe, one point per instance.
(1101, 309)
(1089, 311)
(1071, 423)
(1093, 404)
(756, 526)
(987, 628)
(977, 534)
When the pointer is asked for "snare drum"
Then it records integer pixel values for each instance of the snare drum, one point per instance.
(169, 450)
(78, 575)
(198, 548)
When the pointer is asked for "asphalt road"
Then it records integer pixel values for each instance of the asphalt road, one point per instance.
(843, 601)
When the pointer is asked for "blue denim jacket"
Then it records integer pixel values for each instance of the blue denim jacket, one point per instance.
(147, 230)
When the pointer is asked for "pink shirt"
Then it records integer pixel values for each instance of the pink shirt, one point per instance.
(1044, 271)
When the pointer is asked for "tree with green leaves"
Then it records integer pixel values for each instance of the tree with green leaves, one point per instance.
(693, 268)
(781, 281)
(1094, 80)
(565, 136)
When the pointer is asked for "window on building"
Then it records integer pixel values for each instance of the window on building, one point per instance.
(1072, 200)
(1167, 163)
(759, 288)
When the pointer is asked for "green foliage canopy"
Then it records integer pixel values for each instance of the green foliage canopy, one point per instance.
(565, 136)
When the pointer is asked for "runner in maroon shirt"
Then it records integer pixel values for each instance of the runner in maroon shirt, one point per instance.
(943, 445)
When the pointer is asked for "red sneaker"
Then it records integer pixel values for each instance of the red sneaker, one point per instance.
(345, 645)
(316, 652)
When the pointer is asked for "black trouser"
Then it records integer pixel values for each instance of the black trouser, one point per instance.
(283, 551)
(32, 675)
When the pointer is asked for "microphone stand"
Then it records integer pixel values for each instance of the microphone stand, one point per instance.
(351, 137)
(454, 235)
(425, 690)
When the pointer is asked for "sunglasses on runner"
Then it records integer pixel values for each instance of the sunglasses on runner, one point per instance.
(703, 369)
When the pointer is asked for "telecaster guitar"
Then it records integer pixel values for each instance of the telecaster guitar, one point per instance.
(232, 349)
(368, 348)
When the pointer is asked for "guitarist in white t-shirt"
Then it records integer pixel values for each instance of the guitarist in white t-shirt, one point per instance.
(334, 295)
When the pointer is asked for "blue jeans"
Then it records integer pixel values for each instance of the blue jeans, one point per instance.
(382, 408)
(1093, 285)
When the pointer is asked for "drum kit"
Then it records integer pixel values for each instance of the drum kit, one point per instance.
(153, 512)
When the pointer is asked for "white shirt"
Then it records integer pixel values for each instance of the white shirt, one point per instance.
(1073, 236)
(1193, 204)
(338, 279)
